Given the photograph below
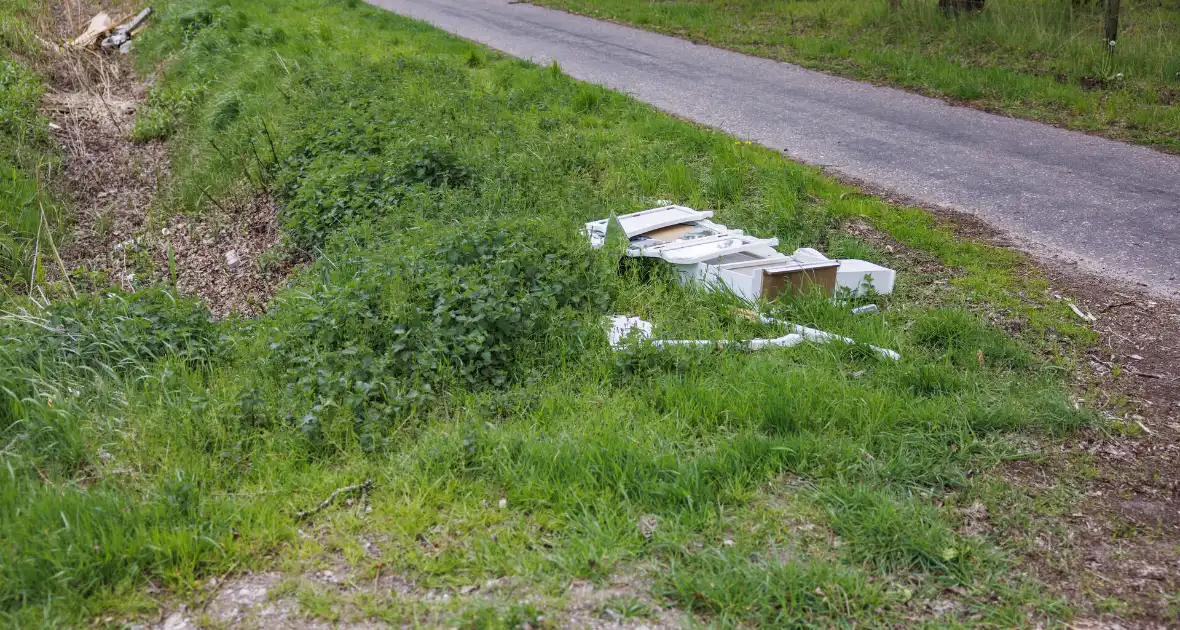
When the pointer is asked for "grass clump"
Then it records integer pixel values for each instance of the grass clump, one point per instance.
(29, 217)
(734, 590)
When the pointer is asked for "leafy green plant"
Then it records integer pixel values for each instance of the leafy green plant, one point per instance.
(435, 165)
(468, 308)
(1106, 70)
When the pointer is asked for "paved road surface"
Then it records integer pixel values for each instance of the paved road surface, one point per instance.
(1109, 206)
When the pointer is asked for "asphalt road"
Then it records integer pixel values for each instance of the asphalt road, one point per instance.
(1108, 206)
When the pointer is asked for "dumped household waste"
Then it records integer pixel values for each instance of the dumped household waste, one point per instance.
(719, 256)
(99, 25)
(122, 34)
(112, 37)
(625, 330)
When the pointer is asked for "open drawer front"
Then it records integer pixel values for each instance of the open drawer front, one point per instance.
(770, 277)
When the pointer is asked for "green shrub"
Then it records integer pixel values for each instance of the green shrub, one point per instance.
(386, 333)
(435, 165)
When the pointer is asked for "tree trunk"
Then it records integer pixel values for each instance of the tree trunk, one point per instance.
(960, 5)
(1112, 20)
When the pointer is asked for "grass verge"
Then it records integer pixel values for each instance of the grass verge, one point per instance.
(1041, 59)
(448, 344)
(29, 216)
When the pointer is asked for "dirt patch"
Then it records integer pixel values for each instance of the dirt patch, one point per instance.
(622, 602)
(122, 234)
(1093, 84)
(339, 598)
(1123, 563)
(1128, 528)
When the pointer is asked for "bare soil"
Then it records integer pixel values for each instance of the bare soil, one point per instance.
(122, 233)
(272, 600)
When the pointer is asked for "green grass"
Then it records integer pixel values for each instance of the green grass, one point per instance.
(447, 342)
(29, 217)
(1040, 59)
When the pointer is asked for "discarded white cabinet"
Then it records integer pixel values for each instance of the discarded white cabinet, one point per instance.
(646, 221)
(767, 277)
(713, 254)
(693, 251)
(860, 276)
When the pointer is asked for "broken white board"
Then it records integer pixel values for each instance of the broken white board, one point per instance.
(623, 327)
(643, 222)
(693, 230)
(691, 252)
(786, 341)
(819, 336)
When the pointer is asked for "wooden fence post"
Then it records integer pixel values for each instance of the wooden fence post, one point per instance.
(1112, 20)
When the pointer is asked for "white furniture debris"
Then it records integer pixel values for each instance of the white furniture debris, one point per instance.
(645, 222)
(786, 341)
(819, 336)
(698, 250)
(766, 277)
(715, 255)
(859, 276)
(623, 327)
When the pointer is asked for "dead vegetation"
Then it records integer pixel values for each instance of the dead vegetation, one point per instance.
(123, 231)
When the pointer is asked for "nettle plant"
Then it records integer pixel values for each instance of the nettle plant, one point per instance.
(359, 186)
(383, 336)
